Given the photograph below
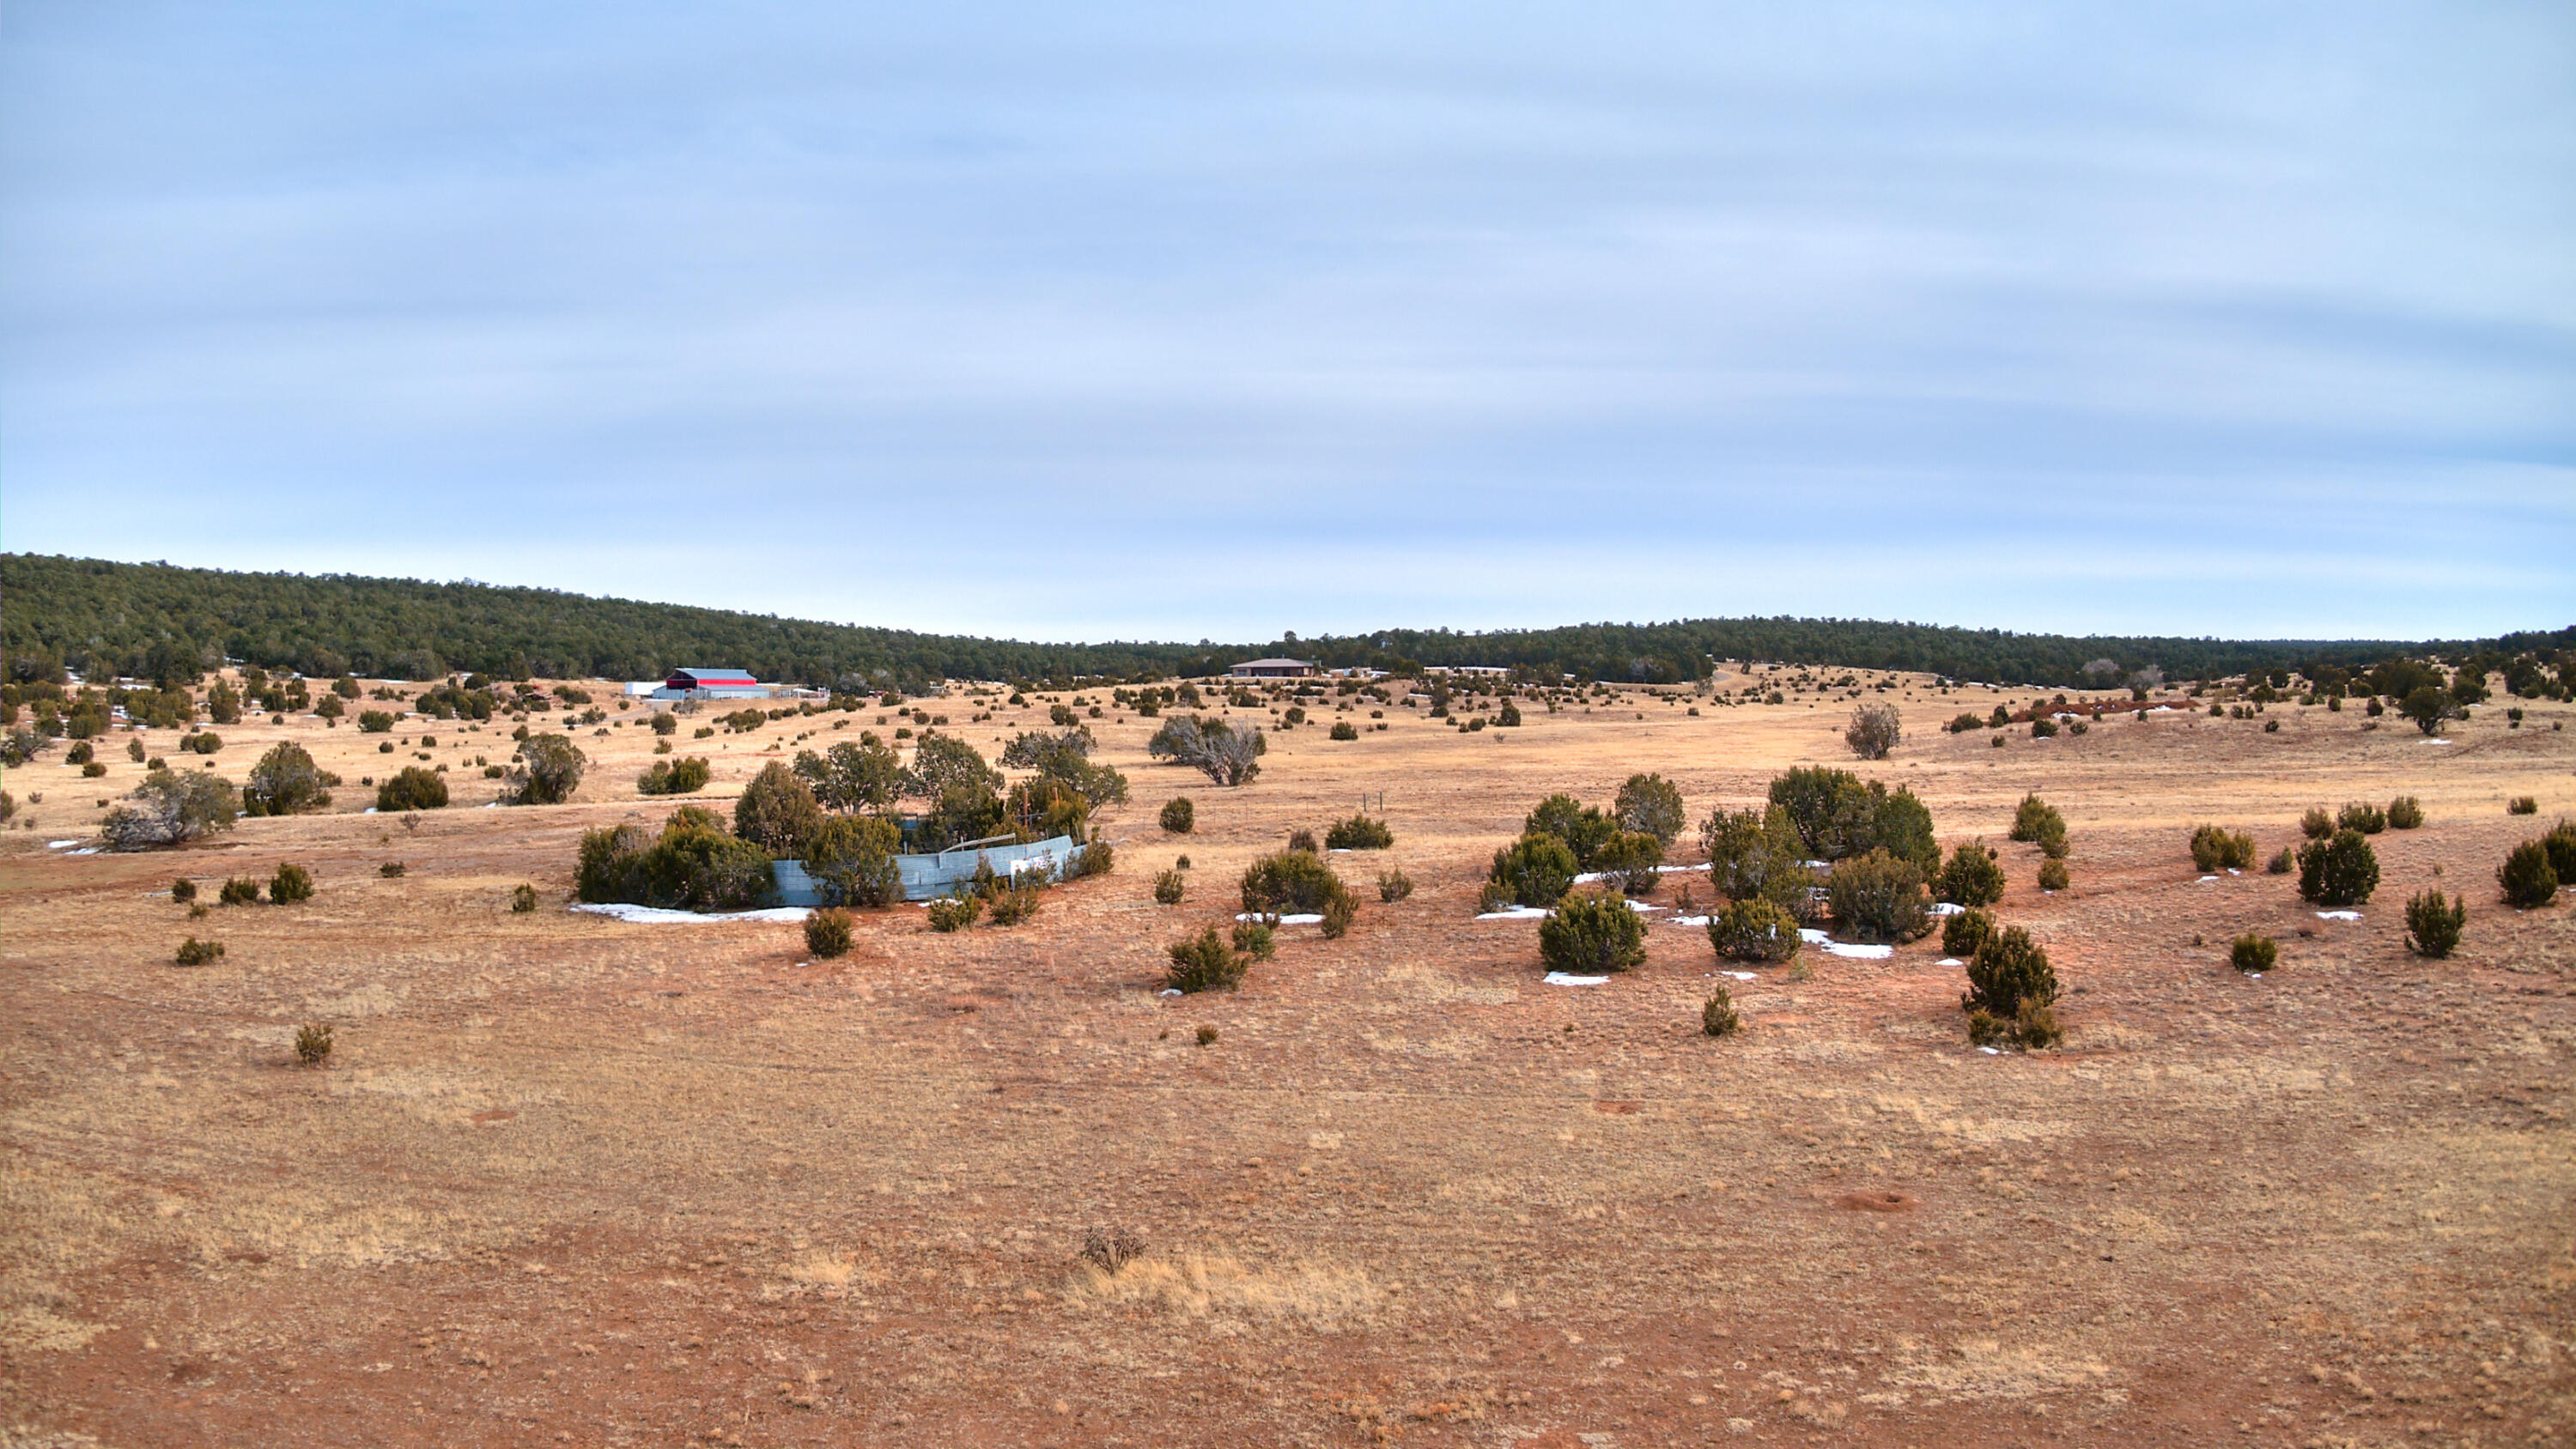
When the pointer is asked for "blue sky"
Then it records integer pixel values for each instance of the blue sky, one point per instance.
(1213, 321)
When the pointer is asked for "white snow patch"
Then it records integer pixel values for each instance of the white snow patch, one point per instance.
(657, 916)
(1740, 975)
(87, 850)
(1952, 961)
(1992, 1051)
(1678, 869)
(1171, 991)
(1515, 913)
(2338, 915)
(1559, 978)
(1641, 907)
(2204, 880)
(1832, 947)
(1302, 918)
(1948, 908)
(2437, 742)
(1701, 921)
(370, 810)
(60, 844)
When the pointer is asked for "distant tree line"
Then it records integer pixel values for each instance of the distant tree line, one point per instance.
(172, 625)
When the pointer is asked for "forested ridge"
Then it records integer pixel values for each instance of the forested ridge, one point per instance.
(152, 619)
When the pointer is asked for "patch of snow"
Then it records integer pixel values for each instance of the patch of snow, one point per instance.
(2204, 880)
(2437, 742)
(1641, 907)
(1302, 918)
(1952, 961)
(1948, 908)
(87, 850)
(1820, 865)
(1740, 975)
(1171, 991)
(370, 810)
(1992, 1051)
(1559, 978)
(2231, 870)
(657, 916)
(2338, 915)
(1515, 913)
(1678, 869)
(60, 844)
(1701, 921)
(1832, 947)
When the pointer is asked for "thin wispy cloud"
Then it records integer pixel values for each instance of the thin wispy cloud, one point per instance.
(1180, 323)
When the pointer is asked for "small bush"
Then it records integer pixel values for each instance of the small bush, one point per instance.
(239, 891)
(313, 1044)
(1961, 724)
(1293, 882)
(1393, 886)
(1168, 888)
(2251, 953)
(2011, 989)
(1011, 905)
(1877, 897)
(2216, 848)
(193, 952)
(523, 899)
(2341, 870)
(955, 913)
(414, 789)
(1338, 913)
(2432, 926)
(183, 890)
(1204, 963)
(1753, 930)
(1097, 858)
(1206, 1035)
(2052, 874)
(1719, 1017)
(1302, 840)
(827, 933)
(1874, 730)
(1964, 933)
(2034, 818)
(684, 776)
(1256, 940)
(2527, 877)
(1359, 833)
(80, 754)
(1971, 877)
(2280, 864)
(1592, 935)
(374, 722)
(2522, 805)
(2043, 728)
(291, 884)
(2405, 813)
(1179, 816)
(2359, 815)
(1649, 804)
(1344, 730)
(1536, 870)
(391, 870)
(2560, 842)
(2316, 824)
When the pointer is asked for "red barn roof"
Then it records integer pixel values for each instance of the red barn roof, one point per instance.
(710, 679)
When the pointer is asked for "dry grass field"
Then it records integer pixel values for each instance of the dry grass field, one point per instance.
(571, 1180)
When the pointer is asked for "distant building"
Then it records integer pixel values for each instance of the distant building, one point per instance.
(1274, 669)
(711, 684)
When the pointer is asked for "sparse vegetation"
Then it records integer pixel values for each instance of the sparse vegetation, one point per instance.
(183, 890)
(193, 952)
(2341, 870)
(2359, 815)
(523, 899)
(390, 870)
(1211, 746)
(2216, 848)
(1757, 853)
(1393, 886)
(1874, 730)
(1718, 1017)
(2405, 813)
(313, 1044)
(1168, 888)
(2433, 927)
(1011, 905)
(692, 865)
(1592, 935)
(955, 912)
(851, 861)
(1256, 940)
(292, 883)
(287, 782)
(2252, 954)
(2522, 805)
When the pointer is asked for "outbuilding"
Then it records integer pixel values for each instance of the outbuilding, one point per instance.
(1274, 669)
(711, 684)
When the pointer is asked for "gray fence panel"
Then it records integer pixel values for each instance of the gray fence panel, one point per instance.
(926, 877)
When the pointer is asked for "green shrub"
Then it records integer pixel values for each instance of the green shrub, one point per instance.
(80, 754)
(1344, 730)
(374, 722)
(2522, 805)
(1393, 886)
(1204, 963)
(777, 812)
(2052, 874)
(827, 934)
(2034, 819)
(850, 859)
(2432, 926)
(2216, 848)
(1972, 877)
(2405, 813)
(2528, 878)
(183, 890)
(1010, 905)
(693, 865)
(1535, 870)
(416, 788)
(390, 870)
(2011, 990)
(1302, 839)
(1753, 930)
(956, 912)
(1877, 897)
(2341, 870)
(1961, 724)
(1179, 816)
(548, 771)
(1718, 1017)
(2367, 818)
(523, 899)
(2043, 728)
(93, 770)
(1256, 940)
(1629, 859)
(1757, 853)
(2316, 824)
(170, 808)
(313, 1044)
(684, 776)
(285, 781)
(1592, 935)
(1338, 914)
(2560, 842)
(1168, 888)
(2251, 953)
(193, 952)
(665, 723)
(1964, 933)
(1583, 829)
(2280, 864)
(1649, 804)
(1837, 816)
(291, 884)
(1292, 882)
(239, 891)
(1359, 833)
